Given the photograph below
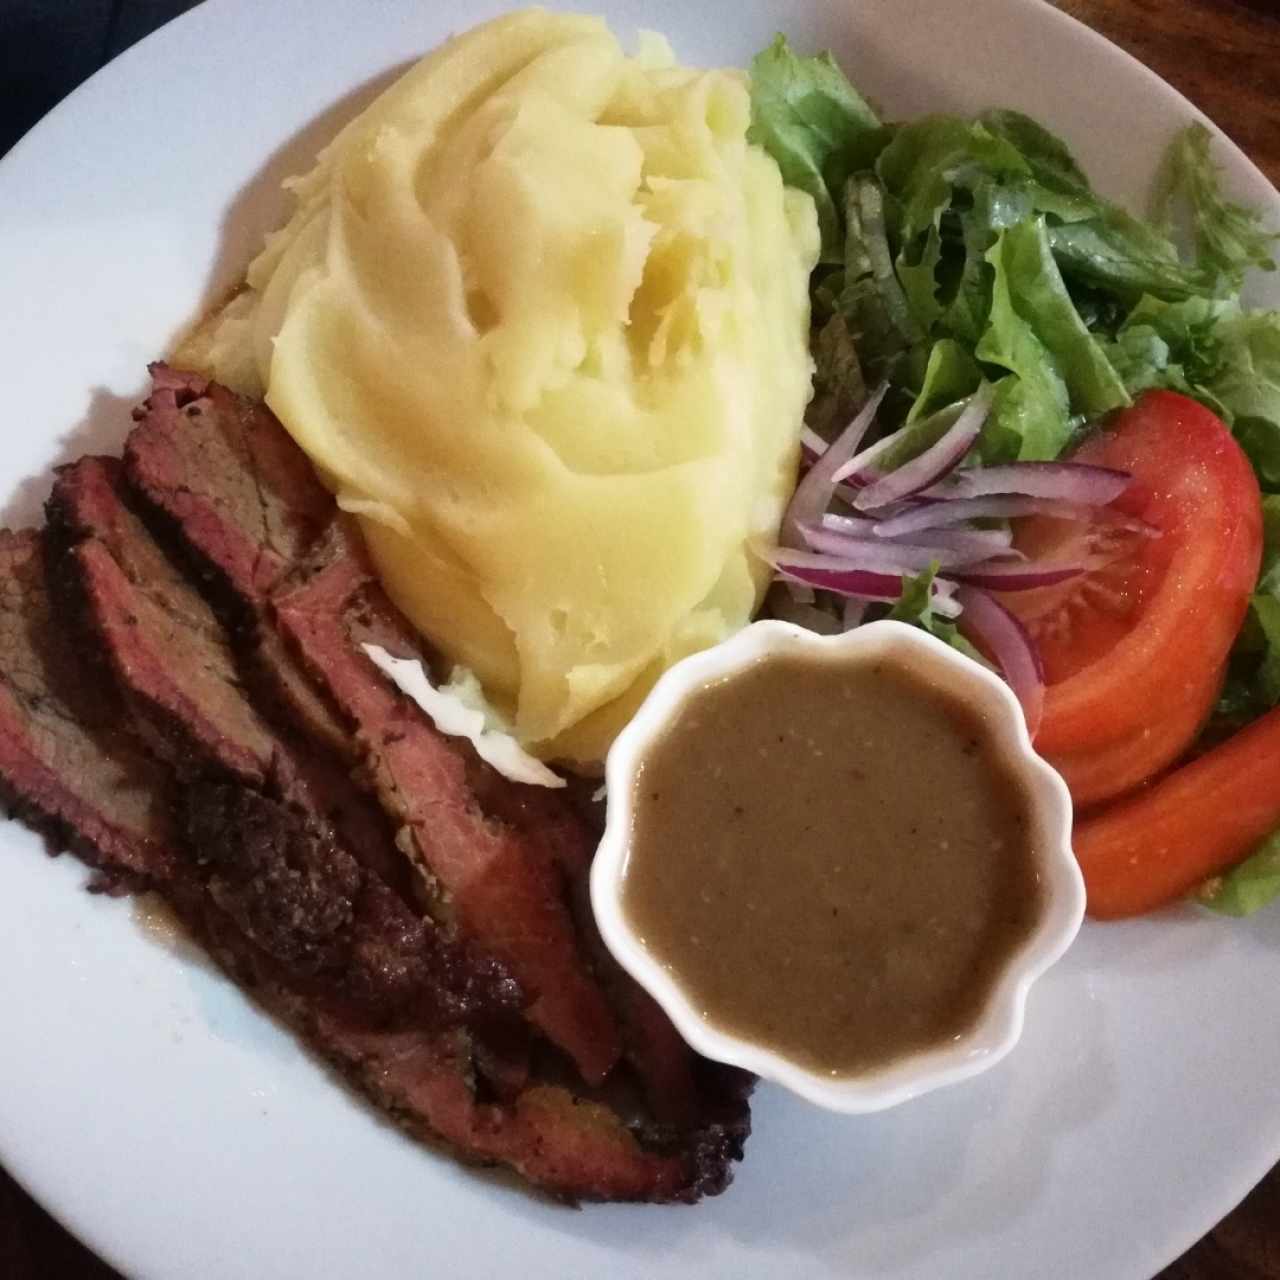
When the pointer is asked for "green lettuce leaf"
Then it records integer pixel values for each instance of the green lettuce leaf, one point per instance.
(815, 124)
(838, 385)
(951, 374)
(1245, 386)
(928, 159)
(1048, 157)
(1253, 674)
(1265, 611)
(918, 275)
(1229, 238)
(873, 298)
(1117, 253)
(915, 606)
(1248, 887)
(1224, 356)
(1040, 296)
(1030, 416)
(956, 248)
(1269, 573)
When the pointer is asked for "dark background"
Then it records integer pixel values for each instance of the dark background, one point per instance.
(48, 46)
(1223, 54)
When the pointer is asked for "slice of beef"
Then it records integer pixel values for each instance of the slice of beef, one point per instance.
(67, 765)
(312, 936)
(495, 885)
(499, 887)
(662, 1061)
(553, 843)
(222, 468)
(166, 648)
(171, 658)
(217, 470)
(293, 889)
(413, 1067)
(286, 692)
(296, 893)
(575, 1148)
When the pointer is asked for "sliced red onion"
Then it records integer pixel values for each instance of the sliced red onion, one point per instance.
(853, 578)
(845, 581)
(796, 591)
(853, 526)
(997, 576)
(882, 555)
(977, 544)
(848, 490)
(813, 444)
(813, 493)
(932, 515)
(935, 515)
(938, 460)
(988, 624)
(808, 616)
(1068, 481)
(876, 559)
(854, 612)
(854, 472)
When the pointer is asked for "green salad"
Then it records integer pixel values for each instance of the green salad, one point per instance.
(970, 256)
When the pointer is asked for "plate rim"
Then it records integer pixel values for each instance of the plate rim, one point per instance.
(117, 1252)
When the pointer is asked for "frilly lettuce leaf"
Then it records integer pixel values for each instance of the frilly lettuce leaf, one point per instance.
(817, 127)
(915, 606)
(1229, 238)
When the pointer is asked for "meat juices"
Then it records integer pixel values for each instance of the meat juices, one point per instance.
(832, 858)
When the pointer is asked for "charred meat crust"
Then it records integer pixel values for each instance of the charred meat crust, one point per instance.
(294, 892)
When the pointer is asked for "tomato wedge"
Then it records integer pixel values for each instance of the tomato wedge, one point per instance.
(1155, 846)
(1134, 651)
(1095, 774)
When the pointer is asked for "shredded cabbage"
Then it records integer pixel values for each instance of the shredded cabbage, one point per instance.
(458, 710)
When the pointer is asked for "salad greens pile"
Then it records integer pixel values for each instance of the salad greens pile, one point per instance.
(957, 250)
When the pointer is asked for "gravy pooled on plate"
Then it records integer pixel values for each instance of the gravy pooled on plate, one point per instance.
(832, 858)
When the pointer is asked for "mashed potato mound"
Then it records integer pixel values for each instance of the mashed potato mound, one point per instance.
(541, 319)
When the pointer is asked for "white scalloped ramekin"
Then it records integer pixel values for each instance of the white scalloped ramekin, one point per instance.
(1000, 1024)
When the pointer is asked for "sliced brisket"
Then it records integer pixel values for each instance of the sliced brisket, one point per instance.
(499, 887)
(244, 503)
(309, 920)
(221, 467)
(296, 893)
(503, 861)
(67, 765)
(259, 857)
(171, 659)
(314, 937)
(165, 647)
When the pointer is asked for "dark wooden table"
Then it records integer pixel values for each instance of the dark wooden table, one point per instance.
(1223, 54)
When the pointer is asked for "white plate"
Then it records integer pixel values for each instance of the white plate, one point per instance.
(182, 1134)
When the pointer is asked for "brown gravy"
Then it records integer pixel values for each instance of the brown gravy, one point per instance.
(832, 858)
